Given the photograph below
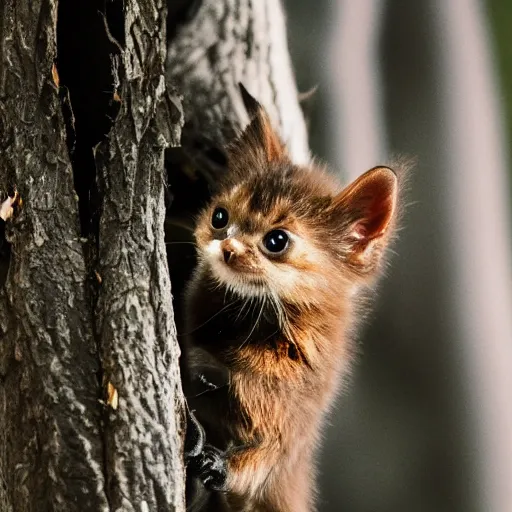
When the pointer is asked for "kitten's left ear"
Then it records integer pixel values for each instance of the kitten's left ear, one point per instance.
(260, 132)
(369, 210)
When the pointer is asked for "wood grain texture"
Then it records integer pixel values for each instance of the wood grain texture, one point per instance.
(51, 454)
(135, 324)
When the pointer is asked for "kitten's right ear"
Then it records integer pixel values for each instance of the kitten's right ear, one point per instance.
(259, 133)
(368, 207)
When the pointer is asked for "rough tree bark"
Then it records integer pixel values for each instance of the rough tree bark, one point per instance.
(135, 323)
(51, 448)
(61, 449)
(90, 396)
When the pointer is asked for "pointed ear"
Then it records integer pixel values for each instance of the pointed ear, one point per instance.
(369, 210)
(259, 132)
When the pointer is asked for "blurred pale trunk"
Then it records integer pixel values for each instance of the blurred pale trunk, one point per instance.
(427, 422)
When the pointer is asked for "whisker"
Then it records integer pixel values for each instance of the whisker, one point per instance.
(270, 336)
(277, 312)
(254, 303)
(255, 324)
(209, 390)
(278, 309)
(175, 243)
(247, 302)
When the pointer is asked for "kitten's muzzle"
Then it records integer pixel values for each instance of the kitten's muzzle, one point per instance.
(231, 248)
(234, 254)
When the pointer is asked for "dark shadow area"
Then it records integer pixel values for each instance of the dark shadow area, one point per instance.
(84, 64)
(192, 171)
(180, 12)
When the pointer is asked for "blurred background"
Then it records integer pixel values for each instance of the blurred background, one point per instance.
(426, 424)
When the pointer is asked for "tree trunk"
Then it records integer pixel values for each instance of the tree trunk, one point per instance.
(51, 446)
(228, 42)
(91, 405)
(91, 398)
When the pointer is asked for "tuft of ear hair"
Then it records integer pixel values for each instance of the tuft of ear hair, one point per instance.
(369, 209)
(259, 134)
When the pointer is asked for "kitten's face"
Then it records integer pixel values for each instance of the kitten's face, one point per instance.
(260, 251)
(288, 232)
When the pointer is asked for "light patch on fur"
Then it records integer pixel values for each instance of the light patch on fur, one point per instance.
(213, 248)
(232, 230)
(305, 273)
(235, 244)
(251, 479)
(245, 286)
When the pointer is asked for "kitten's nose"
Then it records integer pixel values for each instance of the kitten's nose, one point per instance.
(228, 255)
(231, 249)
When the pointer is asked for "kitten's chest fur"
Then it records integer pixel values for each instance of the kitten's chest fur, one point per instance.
(219, 326)
(248, 379)
(222, 323)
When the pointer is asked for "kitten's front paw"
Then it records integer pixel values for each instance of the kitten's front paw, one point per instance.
(210, 467)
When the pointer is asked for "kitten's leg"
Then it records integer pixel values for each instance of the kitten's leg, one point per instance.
(263, 479)
(203, 461)
(205, 468)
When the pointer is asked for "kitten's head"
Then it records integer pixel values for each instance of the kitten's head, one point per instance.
(288, 231)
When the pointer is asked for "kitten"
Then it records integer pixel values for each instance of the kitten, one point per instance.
(284, 258)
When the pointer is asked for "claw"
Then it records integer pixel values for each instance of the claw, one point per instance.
(195, 436)
(210, 467)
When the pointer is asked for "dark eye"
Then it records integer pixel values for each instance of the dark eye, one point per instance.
(220, 218)
(276, 241)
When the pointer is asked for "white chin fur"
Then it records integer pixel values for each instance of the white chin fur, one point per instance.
(285, 282)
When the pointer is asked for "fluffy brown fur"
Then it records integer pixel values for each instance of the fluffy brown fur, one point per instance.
(270, 335)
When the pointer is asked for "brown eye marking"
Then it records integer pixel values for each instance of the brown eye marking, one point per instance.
(281, 217)
(293, 352)
(220, 218)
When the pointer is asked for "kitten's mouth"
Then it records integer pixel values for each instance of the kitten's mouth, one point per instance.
(241, 268)
(230, 266)
(244, 280)
(236, 268)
